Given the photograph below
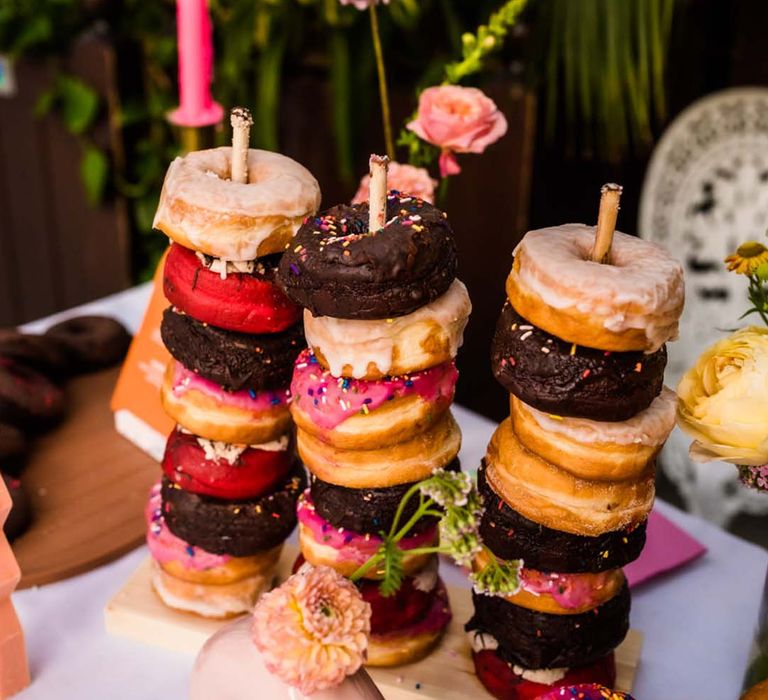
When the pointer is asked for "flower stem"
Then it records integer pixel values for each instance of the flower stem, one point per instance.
(365, 568)
(383, 92)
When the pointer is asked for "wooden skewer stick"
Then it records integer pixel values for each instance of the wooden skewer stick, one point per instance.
(377, 192)
(241, 120)
(610, 194)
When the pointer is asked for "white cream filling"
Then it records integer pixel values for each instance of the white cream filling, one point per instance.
(224, 267)
(216, 450)
(545, 676)
(426, 580)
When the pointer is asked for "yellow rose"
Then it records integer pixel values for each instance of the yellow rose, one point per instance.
(723, 400)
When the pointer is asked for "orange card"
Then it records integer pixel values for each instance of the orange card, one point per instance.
(14, 669)
(9, 568)
(139, 416)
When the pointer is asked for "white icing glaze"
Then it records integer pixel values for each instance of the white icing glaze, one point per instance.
(556, 267)
(650, 427)
(229, 667)
(279, 191)
(358, 343)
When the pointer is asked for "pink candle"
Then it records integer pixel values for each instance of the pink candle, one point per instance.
(197, 107)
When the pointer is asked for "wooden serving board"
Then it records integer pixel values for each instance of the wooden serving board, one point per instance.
(447, 674)
(88, 488)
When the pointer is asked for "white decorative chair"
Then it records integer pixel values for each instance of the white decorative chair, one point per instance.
(706, 191)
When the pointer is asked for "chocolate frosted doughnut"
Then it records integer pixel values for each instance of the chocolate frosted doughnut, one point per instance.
(536, 640)
(28, 400)
(232, 360)
(336, 267)
(21, 511)
(236, 528)
(46, 354)
(510, 535)
(572, 380)
(13, 449)
(366, 510)
(94, 342)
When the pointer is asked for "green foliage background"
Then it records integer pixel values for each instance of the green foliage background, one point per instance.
(600, 62)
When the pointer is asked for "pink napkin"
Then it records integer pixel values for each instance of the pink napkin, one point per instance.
(667, 547)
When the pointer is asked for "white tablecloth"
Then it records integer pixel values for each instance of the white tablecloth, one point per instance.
(698, 621)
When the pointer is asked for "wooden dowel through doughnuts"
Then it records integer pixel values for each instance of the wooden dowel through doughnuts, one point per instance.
(241, 120)
(610, 194)
(377, 192)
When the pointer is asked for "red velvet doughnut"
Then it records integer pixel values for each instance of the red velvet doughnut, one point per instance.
(501, 682)
(254, 473)
(240, 302)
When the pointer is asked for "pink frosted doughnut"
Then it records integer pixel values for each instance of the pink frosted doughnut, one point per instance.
(366, 414)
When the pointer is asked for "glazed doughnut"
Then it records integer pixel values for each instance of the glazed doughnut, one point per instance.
(202, 209)
(245, 302)
(415, 641)
(224, 470)
(537, 640)
(505, 681)
(367, 510)
(555, 498)
(510, 535)
(28, 400)
(632, 303)
(336, 267)
(367, 414)
(424, 338)
(13, 449)
(205, 409)
(402, 463)
(193, 564)
(559, 593)
(44, 354)
(238, 528)
(93, 342)
(571, 380)
(234, 361)
(214, 601)
(346, 551)
(597, 450)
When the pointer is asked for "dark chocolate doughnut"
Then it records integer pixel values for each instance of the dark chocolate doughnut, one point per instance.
(21, 511)
(366, 510)
(335, 267)
(232, 360)
(236, 528)
(568, 380)
(510, 535)
(45, 354)
(537, 640)
(94, 342)
(28, 400)
(13, 449)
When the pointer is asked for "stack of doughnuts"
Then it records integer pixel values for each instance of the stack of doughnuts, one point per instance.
(384, 317)
(568, 478)
(227, 499)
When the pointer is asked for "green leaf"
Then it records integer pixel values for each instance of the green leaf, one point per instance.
(36, 31)
(79, 103)
(94, 169)
(44, 104)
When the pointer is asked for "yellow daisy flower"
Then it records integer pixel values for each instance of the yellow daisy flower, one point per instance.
(747, 258)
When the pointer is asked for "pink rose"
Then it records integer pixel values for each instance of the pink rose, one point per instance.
(363, 4)
(404, 178)
(458, 120)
